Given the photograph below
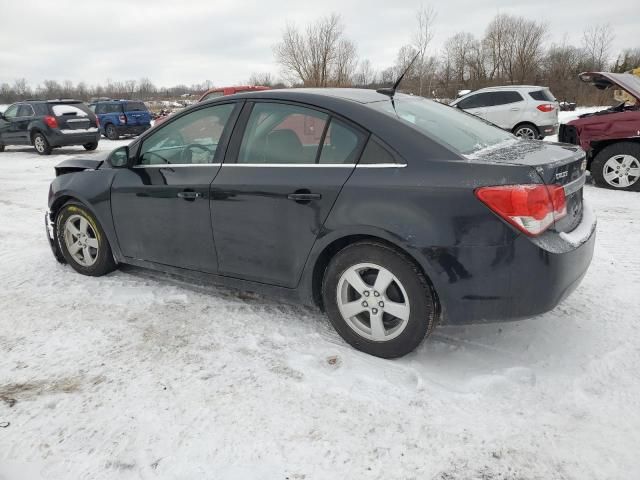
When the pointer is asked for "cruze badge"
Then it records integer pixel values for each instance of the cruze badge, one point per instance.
(561, 175)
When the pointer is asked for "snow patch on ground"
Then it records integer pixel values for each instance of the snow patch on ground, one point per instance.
(144, 375)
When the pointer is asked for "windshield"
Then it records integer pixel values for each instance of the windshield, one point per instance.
(463, 132)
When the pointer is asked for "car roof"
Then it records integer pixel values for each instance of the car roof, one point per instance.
(358, 95)
(510, 87)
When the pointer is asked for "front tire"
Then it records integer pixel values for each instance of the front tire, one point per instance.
(90, 146)
(82, 241)
(378, 300)
(617, 167)
(41, 144)
(527, 130)
(111, 132)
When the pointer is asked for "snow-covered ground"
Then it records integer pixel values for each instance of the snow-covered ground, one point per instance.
(139, 375)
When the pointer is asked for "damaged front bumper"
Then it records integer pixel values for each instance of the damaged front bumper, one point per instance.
(50, 227)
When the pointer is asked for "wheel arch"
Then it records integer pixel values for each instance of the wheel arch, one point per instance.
(322, 260)
(598, 146)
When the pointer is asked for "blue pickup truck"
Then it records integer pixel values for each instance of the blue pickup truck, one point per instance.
(121, 117)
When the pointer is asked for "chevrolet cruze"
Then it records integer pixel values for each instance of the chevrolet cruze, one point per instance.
(389, 212)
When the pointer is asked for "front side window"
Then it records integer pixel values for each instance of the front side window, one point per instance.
(280, 133)
(465, 133)
(190, 139)
(11, 112)
(478, 100)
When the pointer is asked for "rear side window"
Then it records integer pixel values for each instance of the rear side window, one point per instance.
(542, 95)
(341, 144)
(280, 133)
(25, 111)
(504, 98)
(375, 153)
(136, 107)
(109, 108)
(41, 109)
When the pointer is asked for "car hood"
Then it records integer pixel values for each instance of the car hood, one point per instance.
(79, 164)
(602, 80)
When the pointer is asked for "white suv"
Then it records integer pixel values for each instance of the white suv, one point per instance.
(527, 111)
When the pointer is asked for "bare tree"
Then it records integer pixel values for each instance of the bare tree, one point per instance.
(422, 38)
(320, 56)
(597, 40)
(365, 74)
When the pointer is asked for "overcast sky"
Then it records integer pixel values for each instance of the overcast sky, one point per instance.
(225, 41)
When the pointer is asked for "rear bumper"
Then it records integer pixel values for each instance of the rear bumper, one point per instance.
(516, 281)
(547, 130)
(59, 139)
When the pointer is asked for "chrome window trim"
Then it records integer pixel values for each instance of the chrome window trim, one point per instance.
(178, 165)
(316, 165)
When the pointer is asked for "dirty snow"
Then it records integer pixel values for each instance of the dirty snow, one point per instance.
(139, 375)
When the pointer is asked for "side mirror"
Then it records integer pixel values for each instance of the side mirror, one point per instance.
(119, 158)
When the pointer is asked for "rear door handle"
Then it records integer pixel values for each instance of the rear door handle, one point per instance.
(189, 195)
(304, 196)
(514, 109)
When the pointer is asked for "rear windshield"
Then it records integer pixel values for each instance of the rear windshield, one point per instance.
(542, 95)
(211, 95)
(464, 132)
(136, 107)
(77, 110)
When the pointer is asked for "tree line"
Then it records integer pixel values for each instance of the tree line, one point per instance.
(512, 50)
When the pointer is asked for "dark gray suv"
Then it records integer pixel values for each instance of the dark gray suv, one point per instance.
(47, 124)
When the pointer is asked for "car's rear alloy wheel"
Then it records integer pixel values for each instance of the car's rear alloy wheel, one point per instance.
(618, 166)
(526, 131)
(82, 241)
(378, 300)
(41, 144)
(112, 132)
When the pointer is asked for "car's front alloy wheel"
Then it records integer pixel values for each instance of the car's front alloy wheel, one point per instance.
(82, 241)
(617, 166)
(378, 300)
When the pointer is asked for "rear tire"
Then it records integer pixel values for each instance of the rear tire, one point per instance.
(527, 130)
(615, 165)
(111, 132)
(41, 144)
(387, 319)
(90, 146)
(82, 241)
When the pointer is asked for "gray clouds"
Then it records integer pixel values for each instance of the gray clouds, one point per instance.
(225, 41)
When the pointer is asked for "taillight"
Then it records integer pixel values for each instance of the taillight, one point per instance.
(97, 122)
(546, 107)
(123, 118)
(51, 121)
(530, 208)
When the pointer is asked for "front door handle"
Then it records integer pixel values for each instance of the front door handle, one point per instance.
(304, 196)
(189, 195)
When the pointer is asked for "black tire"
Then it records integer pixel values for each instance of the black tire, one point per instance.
(104, 262)
(90, 146)
(523, 127)
(41, 144)
(599, 166)
(422, 313)
(111, 132)
(1, 148)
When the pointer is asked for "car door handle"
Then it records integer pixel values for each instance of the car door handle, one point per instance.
(304, 196)
(514, 109)
(189, 195)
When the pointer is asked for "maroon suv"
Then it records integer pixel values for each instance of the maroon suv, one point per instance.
(610, 137)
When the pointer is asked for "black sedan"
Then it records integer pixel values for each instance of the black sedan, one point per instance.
(391, 213)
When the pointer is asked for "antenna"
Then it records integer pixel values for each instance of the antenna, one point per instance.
(391, 91)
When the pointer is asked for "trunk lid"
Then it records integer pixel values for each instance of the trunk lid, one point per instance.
(551, 164)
